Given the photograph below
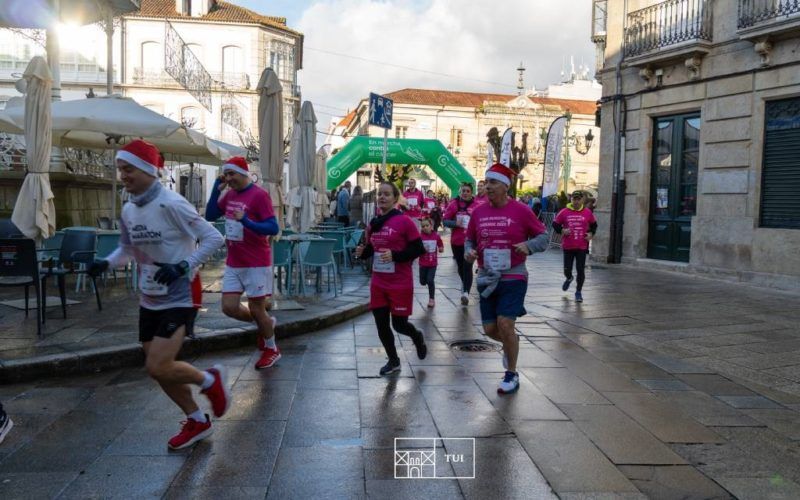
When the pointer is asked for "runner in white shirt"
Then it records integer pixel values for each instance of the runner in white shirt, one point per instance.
(160, 230)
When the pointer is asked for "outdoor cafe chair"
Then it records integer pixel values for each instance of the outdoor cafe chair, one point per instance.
(106, 244)
(339, 248)
(51, 247)
(318, 253)
(19, 268)
(104, 223)
(9, 230)
(282, 259)
(77, 253)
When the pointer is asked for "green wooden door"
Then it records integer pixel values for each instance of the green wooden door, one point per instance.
(673, 195)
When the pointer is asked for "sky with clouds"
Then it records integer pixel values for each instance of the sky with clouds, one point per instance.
(468, 45)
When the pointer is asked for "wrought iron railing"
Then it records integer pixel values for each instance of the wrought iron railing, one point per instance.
(88, 163)
(667, 23)
(752, 12)
(153, 77)
(231, 81)
(12, 153)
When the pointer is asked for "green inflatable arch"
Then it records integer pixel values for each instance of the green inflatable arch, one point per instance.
(431, 152)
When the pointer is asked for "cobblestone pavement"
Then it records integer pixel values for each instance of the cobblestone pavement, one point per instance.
(659, 385)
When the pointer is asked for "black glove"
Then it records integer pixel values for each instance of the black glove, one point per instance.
(98, 267)
(168, 273)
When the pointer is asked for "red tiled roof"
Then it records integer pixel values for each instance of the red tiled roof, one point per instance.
(427, 97)
(221, 12)
(348, 119)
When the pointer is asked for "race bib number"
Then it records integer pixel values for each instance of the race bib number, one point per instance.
(412, 202)
(431, 204)
(234, 230)
(147, 283)
(382, 267)
(430, 246)
(463, 220)
(497, 259)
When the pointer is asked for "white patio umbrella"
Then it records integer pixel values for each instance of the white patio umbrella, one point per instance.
(110, 121)
(302, 159)
(270, 138)
(34, 212)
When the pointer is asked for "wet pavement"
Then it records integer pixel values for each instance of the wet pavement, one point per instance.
(658, 386)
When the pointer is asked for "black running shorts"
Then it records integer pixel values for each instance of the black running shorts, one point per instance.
(163, 323)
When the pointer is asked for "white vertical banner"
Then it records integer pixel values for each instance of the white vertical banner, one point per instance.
(552, 156)
(505, 148)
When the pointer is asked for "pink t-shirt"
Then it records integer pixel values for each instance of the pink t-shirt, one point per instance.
(253, 249)
(497, 230)
(419, 198)
(395, 235)
(429, 205)
(480, 200)
(459, 208)
(578, 222)
(432, 243)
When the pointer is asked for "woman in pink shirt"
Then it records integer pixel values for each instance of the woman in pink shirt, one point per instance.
(393, 240)
(577, 226)
(457, 218)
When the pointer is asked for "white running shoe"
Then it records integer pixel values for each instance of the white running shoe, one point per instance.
(509, 384)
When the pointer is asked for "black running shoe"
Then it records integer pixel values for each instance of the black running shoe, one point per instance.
(565, 286)
(419, 343)
(390, 367)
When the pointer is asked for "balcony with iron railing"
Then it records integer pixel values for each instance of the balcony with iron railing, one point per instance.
(668, 30)
(759, 19)
(231, 80)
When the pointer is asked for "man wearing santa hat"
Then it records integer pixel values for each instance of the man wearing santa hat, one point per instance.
(500, 235)
(159, 229)
(249, 220)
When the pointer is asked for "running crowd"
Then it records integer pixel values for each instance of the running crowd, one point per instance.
(169, 241)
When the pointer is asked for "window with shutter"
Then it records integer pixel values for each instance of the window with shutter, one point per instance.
(780, 177)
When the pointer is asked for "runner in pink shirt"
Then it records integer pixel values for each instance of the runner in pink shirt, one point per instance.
(393, 240)
(249, 220)
(415, 200)
(501, 234)
(457, 217)
(577, 225)
(429, 261)
(480, 197)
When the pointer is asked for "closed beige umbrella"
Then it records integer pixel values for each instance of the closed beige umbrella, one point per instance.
(302, 161)
(270, 138)
(34, 212)
(320, 182)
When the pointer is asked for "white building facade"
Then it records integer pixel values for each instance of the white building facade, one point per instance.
(461, 120)
(223, 48)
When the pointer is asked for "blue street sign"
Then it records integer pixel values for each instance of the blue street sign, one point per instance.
(380, 111)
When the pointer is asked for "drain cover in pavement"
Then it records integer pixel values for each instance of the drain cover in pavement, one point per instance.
(475, 346)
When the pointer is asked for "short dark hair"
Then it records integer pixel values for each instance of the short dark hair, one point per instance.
(468, 184)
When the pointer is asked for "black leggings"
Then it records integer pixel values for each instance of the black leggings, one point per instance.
(426, 277)
(400, 324)
(579, 257)
(464, 268)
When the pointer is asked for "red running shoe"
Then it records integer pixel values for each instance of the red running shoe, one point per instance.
(218, 393)
(191, 432)
(268, 358)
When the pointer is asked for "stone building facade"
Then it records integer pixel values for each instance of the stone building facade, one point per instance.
(460, 120)
(700, 151)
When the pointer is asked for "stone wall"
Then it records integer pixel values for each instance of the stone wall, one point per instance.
(79, 201)
(730, 94)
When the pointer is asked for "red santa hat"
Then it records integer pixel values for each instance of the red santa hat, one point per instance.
(500, 172)
(236, 164)
(142, 155)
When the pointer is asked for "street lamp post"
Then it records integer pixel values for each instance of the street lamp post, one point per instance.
(574, 141)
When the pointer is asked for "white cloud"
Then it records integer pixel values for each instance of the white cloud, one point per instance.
(476, 39)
